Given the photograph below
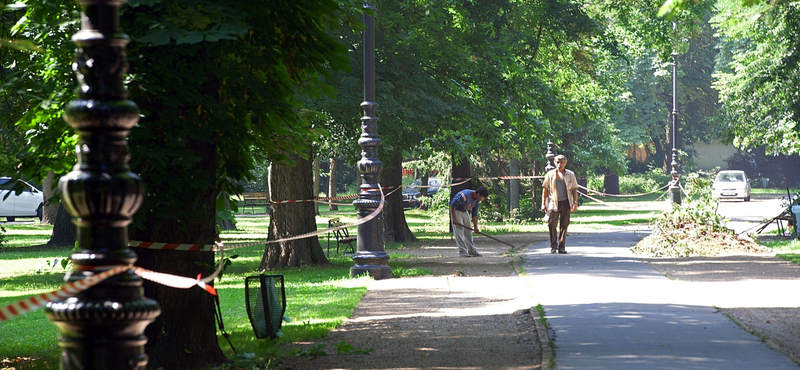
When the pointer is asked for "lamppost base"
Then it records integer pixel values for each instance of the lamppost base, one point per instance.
(378, 272)
(675, 195)
(374, 264)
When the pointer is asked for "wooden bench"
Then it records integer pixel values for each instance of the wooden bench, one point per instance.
(255, 199)
(342, 236)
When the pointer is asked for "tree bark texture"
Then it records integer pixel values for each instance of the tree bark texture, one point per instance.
(395, 226)
(291, 219)
(50, 210)
(611, 183)
(184, 336)
(64, 231)
(332, 182)
(513, 187)
(461, 169)
(317, 180)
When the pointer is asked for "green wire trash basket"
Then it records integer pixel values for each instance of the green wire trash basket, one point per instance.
(266, 304)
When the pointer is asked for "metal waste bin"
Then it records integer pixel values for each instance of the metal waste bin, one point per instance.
(265, 298)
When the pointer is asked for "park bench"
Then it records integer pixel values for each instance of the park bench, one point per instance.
(342, 236)
(255, 199)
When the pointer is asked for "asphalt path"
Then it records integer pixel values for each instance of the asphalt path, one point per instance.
(743, 216)
(608, 310)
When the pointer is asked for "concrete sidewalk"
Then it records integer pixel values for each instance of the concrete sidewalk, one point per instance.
(608, 310)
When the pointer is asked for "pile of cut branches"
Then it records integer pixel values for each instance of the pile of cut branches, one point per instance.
(694, 229)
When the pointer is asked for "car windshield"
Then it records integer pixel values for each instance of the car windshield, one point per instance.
(730, 177)
(431, 182)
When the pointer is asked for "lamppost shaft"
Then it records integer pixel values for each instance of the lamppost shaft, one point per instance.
(550, 156)
(675, 187)
(370, 256)
(103, 326)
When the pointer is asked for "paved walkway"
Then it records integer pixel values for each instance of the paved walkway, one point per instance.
(608, 310)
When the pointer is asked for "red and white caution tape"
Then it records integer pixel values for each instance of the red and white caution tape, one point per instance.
(325, 199)
(33, 303)
(67, 290)
(511, 177)
(171, 246)
(224, 247)
(174, 281)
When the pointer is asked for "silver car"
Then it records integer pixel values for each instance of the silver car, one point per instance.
(731, 184)
(28, 203)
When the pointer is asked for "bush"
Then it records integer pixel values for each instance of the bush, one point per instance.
(635, 183)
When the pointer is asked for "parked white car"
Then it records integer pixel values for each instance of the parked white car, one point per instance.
(25, 204)
(731, 184)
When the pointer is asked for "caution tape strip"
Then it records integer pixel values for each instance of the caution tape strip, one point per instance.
(324, 199)
(223, 247)
(33, 303)
(622, 195)
(511, 177)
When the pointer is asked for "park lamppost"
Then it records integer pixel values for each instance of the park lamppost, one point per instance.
(370, 256)
(675, 186)
(550, 155)
(103, 326)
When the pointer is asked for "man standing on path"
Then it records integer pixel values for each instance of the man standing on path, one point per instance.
(465, 202)
(559, 199)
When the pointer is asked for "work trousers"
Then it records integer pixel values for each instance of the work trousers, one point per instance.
(560, 219)
(463, 236)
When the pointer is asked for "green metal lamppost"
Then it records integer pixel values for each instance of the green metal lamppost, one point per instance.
(370, 256)
(103, 326)
(675, 186)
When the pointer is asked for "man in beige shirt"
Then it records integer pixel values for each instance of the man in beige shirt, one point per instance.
(559, 199)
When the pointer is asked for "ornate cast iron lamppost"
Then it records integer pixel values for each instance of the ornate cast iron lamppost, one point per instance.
(370, 257)
(102, 327)
(675, 187)
(551, 155)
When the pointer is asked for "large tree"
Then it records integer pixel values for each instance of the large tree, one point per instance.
(216, 83)
(757, 75)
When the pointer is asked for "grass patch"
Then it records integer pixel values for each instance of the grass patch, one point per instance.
(318, 298)
(786, 249)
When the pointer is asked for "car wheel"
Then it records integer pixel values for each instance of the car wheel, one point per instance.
(10, 219)
(39, 212)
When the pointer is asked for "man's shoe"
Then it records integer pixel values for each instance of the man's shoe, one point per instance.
(463, 255)
(562, 251)
(552, 250)
(475, 254)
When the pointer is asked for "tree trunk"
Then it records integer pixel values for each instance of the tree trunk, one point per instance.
(332, 182)
(513, 188)
(395, 226)
(461, 169)
(611, 183)
(423, 181)
(64, 231)
(49, 188)
(317, 179)
(290, 219)
(184, 335)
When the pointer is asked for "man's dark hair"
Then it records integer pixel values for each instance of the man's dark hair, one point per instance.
(482, 191)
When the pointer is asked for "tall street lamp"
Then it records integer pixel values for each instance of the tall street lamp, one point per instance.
(675, 187)
(103, 326)
(370, 256)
